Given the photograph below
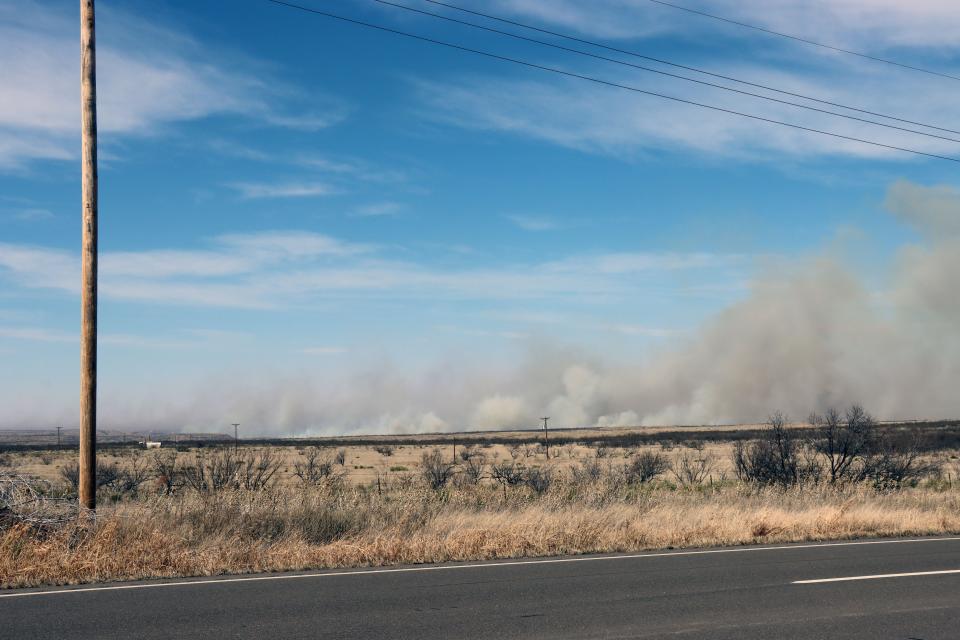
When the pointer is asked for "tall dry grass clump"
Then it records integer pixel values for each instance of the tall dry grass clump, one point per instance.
(236, 530)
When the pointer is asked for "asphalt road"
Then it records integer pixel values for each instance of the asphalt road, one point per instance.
(738, 593)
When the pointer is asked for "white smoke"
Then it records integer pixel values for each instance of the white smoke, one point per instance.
(809, 335)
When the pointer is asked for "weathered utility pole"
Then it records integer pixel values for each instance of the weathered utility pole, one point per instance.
(236, 442)
(88, 257)
(59, 429)
(546, 436)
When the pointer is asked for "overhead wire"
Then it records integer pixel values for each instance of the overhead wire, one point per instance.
(600, 81)
(663, 73)
(823, 45)
(677, 65)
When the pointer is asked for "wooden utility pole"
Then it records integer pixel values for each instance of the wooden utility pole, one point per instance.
(546, 436)
(88, 256)
(236, 441)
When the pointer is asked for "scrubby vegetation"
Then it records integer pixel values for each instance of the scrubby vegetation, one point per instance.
(215, 510)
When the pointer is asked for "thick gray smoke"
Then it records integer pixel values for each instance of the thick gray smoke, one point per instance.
(808, 336)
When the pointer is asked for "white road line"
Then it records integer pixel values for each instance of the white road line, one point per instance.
(454, 567)
(879, 576)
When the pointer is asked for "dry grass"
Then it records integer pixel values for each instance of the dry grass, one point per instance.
(347, 525)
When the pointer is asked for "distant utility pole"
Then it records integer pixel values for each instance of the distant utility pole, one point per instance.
(59, 429)
(546, 436)
(236, 442)
(88, 256)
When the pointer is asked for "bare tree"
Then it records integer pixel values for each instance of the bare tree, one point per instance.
(384, 449)
(843, 440)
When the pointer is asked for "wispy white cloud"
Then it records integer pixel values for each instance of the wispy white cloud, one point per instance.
(377, 210)
(533, 223)
(149, 77)
(283, 190)
(32, 214)
(272, 269)
(872, 25)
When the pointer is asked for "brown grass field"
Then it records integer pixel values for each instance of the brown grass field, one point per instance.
(379, 508)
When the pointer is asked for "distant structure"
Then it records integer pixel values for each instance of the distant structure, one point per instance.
(151, 444)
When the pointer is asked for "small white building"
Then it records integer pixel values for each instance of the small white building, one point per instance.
(151, 444)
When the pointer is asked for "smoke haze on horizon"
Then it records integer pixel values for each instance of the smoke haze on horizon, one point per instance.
(809, 335)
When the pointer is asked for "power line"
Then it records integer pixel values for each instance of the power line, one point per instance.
(676, 65)
(664, 73)
(803, 40)
(608, 83)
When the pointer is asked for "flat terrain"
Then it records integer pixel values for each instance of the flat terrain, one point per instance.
(734, 593)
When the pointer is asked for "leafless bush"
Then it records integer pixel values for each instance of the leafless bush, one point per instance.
(384, 449)
(474, 468)
(257, 471)
(226, 469)
(167, 471)
(843, 440)
(646, 466)
(889, 466)
(121, 480)
(315, 469)
(341, 457)
(586, 472)
(507, 473)
(436, 471)
(602, 452)
(692, 467)
(779, 457)
(539, 479)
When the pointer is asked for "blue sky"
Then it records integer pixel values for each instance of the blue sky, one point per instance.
(316, 228)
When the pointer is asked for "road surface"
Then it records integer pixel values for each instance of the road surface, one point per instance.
(897, 589)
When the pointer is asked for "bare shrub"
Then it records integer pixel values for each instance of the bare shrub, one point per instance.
(341, 457)
(508, 474)
(315, 469)
(167, 471)
(601, 451)
(646, 466)
(474, 468)
(436, 471)
(226, 469)
(692, 467)
(586, 472)
(110, 476)
(539, 479)
(384, 449)
(843, 440)
(889, 466)
(469, 452)
(778, 457)
(257, 471)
